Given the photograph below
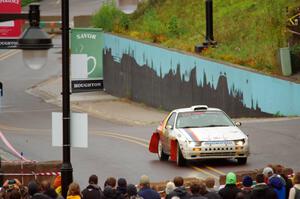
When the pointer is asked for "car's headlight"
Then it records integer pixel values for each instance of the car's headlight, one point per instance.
(195, 144)
(239, 142)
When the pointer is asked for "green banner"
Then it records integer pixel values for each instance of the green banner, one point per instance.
(86, 53)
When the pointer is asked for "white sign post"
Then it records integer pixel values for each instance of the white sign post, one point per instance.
(79, 130)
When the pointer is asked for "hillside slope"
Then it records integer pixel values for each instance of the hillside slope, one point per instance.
(248, 32)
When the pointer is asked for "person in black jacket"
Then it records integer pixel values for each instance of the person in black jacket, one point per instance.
(230, 190)
(121, 188)
(180, 190)
(261, 190)
(92, 191)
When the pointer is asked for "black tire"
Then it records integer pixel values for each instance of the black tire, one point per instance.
(180, 160)
(161, 154)
(242, 161)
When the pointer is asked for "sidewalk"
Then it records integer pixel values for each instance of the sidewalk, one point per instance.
(99, 104)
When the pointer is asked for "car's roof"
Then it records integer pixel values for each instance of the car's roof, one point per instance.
(196, 108)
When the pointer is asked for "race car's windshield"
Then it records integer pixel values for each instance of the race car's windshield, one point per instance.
(202, 119)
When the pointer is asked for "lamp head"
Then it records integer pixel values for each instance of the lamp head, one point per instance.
(35, 44)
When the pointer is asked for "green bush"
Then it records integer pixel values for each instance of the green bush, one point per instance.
(175, 27)
(152, 24)
(107, 17)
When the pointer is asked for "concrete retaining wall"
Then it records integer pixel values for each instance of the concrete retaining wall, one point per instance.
(170, 79)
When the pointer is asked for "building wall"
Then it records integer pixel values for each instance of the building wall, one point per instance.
(170, 79)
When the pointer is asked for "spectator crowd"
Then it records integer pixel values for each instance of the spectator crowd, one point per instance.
(269, 184)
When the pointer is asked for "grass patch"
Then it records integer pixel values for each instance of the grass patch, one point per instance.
(248, 32)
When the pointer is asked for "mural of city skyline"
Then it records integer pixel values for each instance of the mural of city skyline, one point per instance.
(124, 77)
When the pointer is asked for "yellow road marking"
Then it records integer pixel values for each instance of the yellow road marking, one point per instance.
(215, 170)
(8, 54)
(126, 139)
(122, 135)
(10, 128)
(205, 172)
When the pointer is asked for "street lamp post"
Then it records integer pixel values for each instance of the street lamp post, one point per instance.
(66, 170)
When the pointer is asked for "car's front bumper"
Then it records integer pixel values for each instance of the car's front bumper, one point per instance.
(216, 152)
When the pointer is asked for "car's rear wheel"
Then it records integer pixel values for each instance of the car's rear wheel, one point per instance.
(242, 161)
(180, 160)
(161, 154)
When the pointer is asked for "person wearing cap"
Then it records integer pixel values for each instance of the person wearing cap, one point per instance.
(261, 190)
(180, 189)
(247, 186)
(230, 190)
(92, 191)
(145, 191)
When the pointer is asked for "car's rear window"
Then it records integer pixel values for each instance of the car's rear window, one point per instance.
(197, 119)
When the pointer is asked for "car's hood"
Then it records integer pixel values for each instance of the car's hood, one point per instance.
(212, 133)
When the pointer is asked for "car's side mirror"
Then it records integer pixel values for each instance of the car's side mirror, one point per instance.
(169, 126)
(238, 123)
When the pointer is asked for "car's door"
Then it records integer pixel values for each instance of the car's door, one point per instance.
(169, 127)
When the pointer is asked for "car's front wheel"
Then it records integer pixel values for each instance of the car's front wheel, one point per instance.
(242, 161)
(161, 154)
(180, 160)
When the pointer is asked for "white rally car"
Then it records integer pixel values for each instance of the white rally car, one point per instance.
(199, 132)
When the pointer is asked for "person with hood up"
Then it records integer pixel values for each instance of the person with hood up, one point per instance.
(261, 190)
(278, 186)
(295, 190)
(92, 191)
(180, 190)
(145, 191)
(230, 190)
